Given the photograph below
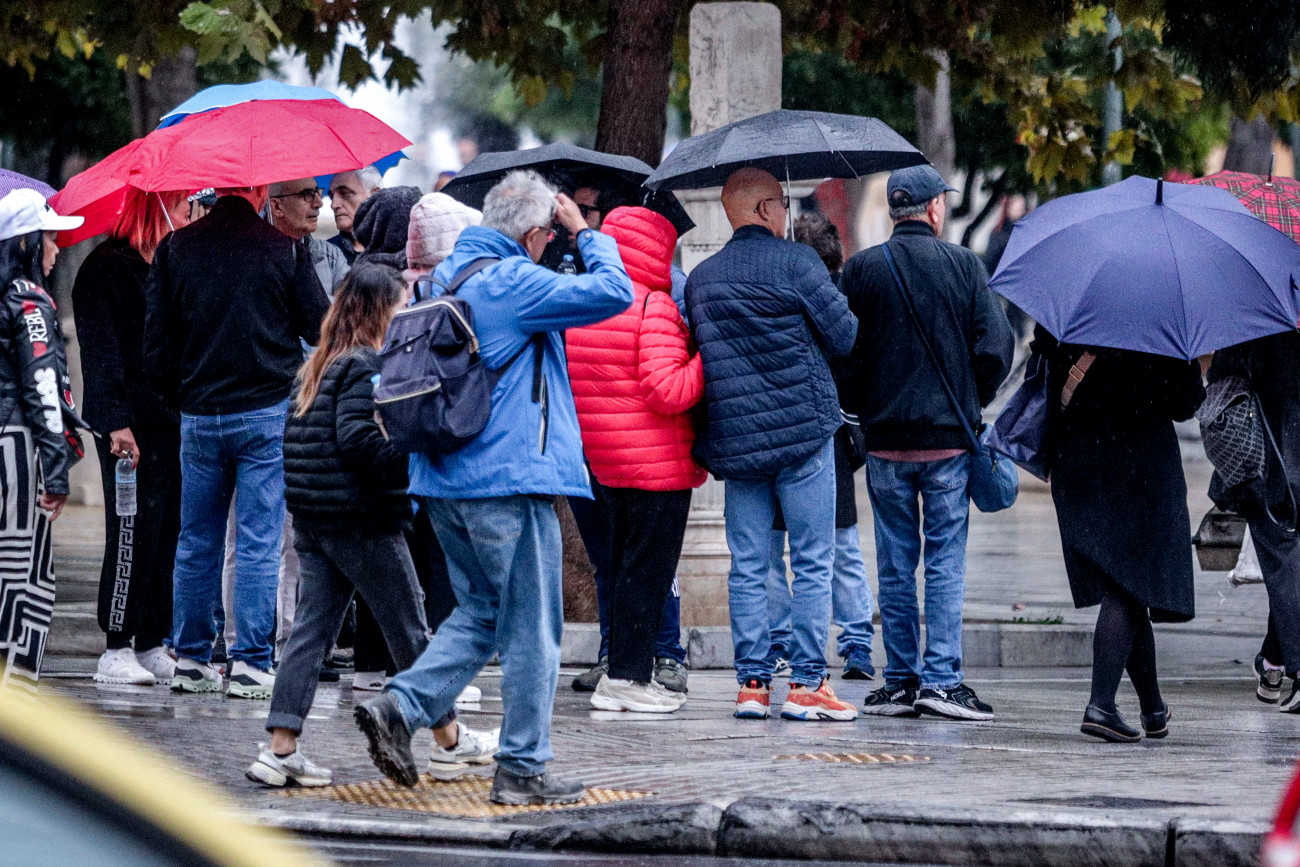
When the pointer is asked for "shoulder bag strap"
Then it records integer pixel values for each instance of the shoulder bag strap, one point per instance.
(1077, 372)
(929, 350)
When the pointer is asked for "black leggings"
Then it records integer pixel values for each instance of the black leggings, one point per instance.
(1124, 640)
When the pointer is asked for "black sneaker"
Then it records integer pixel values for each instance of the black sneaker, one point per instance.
(859, 671)
(533, 791)
(1292, 702)
(891, 701)
(328, 675)
(586, 682)
(960, 702)
(1269, 687)
(380, 720)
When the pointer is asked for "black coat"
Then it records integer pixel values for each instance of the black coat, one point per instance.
(1117, 477)
(339, 468)
(227, 300)
(108, 305)
(898, 395)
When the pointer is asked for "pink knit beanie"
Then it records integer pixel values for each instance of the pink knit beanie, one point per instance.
(436, 222)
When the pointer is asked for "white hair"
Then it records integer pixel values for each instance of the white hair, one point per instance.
(910, 211)
(369, 178)
(519, 202)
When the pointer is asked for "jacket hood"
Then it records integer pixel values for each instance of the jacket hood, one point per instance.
(476, 242)
(381, 224)
(436, 222)
(646, 241)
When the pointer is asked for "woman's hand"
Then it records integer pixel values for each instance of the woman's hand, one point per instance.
(52, 503)
(122, 443)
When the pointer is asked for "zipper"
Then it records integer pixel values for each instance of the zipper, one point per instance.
(410, 394)
(455, 311)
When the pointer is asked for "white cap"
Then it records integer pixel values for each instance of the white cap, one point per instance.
(25, 211)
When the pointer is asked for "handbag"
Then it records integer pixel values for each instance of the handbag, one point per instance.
(994, 482)
(1219, 539)
(1021, 429)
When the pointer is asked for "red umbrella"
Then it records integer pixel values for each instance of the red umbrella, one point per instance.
(94, 194)
(1276, 201)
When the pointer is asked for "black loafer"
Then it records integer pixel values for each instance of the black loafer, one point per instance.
(1156, 725)
(1108, 725)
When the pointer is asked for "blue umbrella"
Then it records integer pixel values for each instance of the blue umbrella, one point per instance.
(222, 95)
(1171, 269)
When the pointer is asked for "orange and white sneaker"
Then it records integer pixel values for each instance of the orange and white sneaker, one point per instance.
(817, 704)
(754, 701)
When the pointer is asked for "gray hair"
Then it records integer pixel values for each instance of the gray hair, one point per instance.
(369, 178)
(909, 212)
(519, 202)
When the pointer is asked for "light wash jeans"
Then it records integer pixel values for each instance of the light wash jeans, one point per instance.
(238, 455)
(851, 601)
(943, 515)
(505, 561)
(807, 496)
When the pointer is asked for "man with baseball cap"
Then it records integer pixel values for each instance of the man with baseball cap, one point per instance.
(917, 446)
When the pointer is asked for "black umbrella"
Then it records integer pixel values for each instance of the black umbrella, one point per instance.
(792, 145)
(567, 165)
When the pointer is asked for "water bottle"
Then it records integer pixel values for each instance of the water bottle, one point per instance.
(125, 476)
(566, 265)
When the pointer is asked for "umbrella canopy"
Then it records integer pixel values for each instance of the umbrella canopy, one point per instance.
(1171, 269)
(10, 181)
(96, 194)
(793, 145)
(223, 95)
(564, 164)
(1276, 201)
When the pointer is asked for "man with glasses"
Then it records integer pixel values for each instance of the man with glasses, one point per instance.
(347, 191)
(295, 210)
(767, 317)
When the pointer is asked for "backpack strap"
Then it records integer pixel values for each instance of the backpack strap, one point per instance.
(1077, 372)
(462, 275)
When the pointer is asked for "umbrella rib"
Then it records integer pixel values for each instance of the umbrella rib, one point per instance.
(1182, 296)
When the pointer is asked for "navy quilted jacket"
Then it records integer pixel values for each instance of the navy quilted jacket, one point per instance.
(766, 317)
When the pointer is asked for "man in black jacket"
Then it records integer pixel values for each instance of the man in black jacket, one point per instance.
(917, 444)
(227, 301)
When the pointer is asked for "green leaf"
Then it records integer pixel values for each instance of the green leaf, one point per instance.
(354, 68)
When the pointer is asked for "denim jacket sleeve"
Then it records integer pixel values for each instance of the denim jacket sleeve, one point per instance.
(557, 302)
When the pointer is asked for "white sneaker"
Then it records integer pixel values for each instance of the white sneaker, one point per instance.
(371, 681)
(158, 662)
(121, 666)
(470, 695)
(193, 676)
(472, 748)
(249, 682)
(620, 695)
(292, 770)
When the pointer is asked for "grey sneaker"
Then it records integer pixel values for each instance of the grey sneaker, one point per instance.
(290, 770)
(533, 791)
(1268, 689)
(586, 682)
(472, 748)
(626, 695)
(670, 674)
(381, 721)
(1291, 704)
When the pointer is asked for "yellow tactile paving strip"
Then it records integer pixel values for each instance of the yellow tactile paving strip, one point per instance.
(466, 797)
(854, 758)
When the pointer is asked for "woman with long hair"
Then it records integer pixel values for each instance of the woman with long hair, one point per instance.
(36, 452)
(346, 488)
(135, 580)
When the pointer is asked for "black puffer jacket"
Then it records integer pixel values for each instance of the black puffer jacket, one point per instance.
(338, 467)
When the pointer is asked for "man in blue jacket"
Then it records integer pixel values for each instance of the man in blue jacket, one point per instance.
(766, 317)
(491, 502)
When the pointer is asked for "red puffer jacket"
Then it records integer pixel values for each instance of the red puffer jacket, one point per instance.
(633, 376)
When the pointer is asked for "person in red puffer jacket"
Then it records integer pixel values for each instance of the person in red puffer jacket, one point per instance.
(634, 381)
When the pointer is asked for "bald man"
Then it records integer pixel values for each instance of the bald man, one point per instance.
(766, 317)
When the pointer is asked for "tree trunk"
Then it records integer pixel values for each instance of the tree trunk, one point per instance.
(173, 81)
(934, 132)
(1250, 146)
(638, 62)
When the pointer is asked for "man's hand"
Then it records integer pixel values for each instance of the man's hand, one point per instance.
(569, 216)
(122, 442)
(52, 503)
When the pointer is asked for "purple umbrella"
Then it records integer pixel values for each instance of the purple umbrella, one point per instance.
(10, 181)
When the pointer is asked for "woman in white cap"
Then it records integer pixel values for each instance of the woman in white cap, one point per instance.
(35, 452)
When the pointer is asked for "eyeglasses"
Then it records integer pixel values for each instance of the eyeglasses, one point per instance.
(308, 196)
(587, 210)
(550, 233)
(784, 200)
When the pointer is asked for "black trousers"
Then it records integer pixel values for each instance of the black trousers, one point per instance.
(645, 532)
(1279, 560)
(371, 652)
(135, 581)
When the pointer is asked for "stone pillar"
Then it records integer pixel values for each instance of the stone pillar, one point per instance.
(735, 73)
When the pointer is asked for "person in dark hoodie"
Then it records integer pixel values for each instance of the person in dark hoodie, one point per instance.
(381, 226)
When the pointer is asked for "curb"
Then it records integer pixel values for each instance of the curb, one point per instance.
(799, 830)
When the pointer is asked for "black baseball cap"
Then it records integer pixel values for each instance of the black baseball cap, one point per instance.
(915, 185)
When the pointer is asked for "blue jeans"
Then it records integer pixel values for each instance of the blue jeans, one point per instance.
(240, 454)
(505, 562)
(851, 601)
(943, 514)
(589, 515)
(806, 492)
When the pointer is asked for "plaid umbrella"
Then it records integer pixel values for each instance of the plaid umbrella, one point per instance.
(10, 181)
(1276, 201)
